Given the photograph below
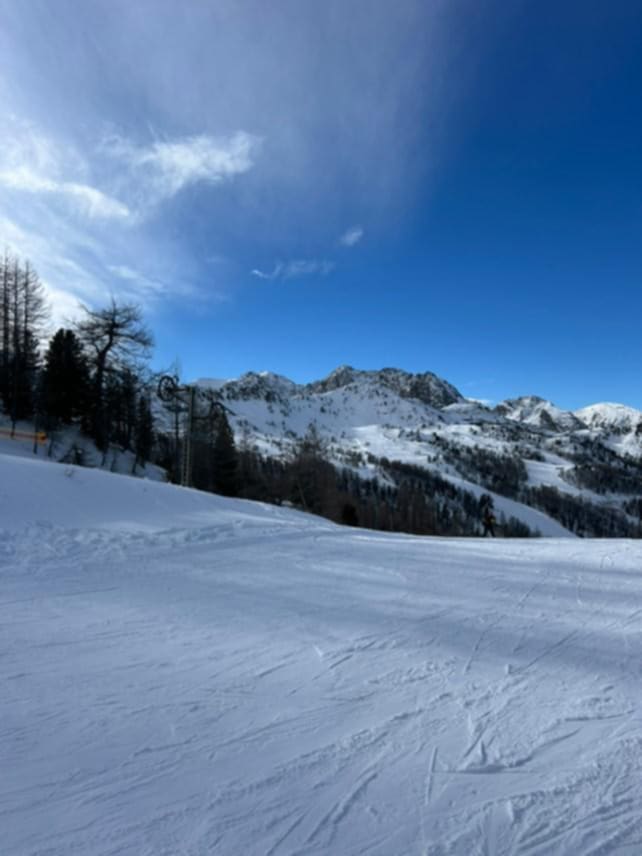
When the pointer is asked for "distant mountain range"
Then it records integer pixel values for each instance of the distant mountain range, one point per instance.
(558, 471)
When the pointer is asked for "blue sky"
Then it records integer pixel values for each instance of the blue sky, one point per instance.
(294, 185)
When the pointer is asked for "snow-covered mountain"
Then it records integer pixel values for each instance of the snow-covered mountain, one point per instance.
(590, 457)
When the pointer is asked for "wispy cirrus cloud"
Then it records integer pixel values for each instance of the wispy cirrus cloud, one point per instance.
(32, 163)
(351, 236)
(269, 275)
(83, 217)
(60, 258)
(141, 283)
(166, 167)
(86, 199)
(296, 269)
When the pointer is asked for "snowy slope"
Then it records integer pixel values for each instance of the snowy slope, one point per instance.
(619, 426)
(65, 444)
(613, 417)
(185, 674)
(535, 411)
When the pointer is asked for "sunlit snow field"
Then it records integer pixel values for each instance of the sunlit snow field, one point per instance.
(185, 674)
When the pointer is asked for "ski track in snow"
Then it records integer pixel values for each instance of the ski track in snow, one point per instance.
(270, 684)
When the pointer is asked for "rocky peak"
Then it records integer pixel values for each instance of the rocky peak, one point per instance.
(426, 387)
(266, 386)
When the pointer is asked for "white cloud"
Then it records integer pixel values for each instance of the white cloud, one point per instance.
(23, 144)
(23, 178)
(88, 200)
(303, 267)
(278, 268)
(352, 236)
(140, 283)
(32, 163)
(65, 307)
(81, 258)
(94, 202)
(50, 250)
(74, 270)
(296, 268)
(168, 167)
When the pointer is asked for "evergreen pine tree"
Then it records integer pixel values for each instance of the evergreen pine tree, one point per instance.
(65, 379)
(144, 432)
(225, 459)
(121, 393)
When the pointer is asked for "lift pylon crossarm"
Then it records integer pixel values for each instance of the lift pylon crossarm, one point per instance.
(170, 391)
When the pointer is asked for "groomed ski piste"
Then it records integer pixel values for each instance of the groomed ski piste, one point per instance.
(186, 674)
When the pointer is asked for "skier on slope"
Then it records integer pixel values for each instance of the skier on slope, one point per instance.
(489, 522)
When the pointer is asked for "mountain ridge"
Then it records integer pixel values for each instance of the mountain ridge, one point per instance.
(424, 386)
(524, 450)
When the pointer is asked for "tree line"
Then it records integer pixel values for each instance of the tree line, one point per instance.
(595, 468)
(406, 498)
(92, 374)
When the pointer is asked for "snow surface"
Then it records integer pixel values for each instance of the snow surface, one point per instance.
(61, 445)
(186, 674)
